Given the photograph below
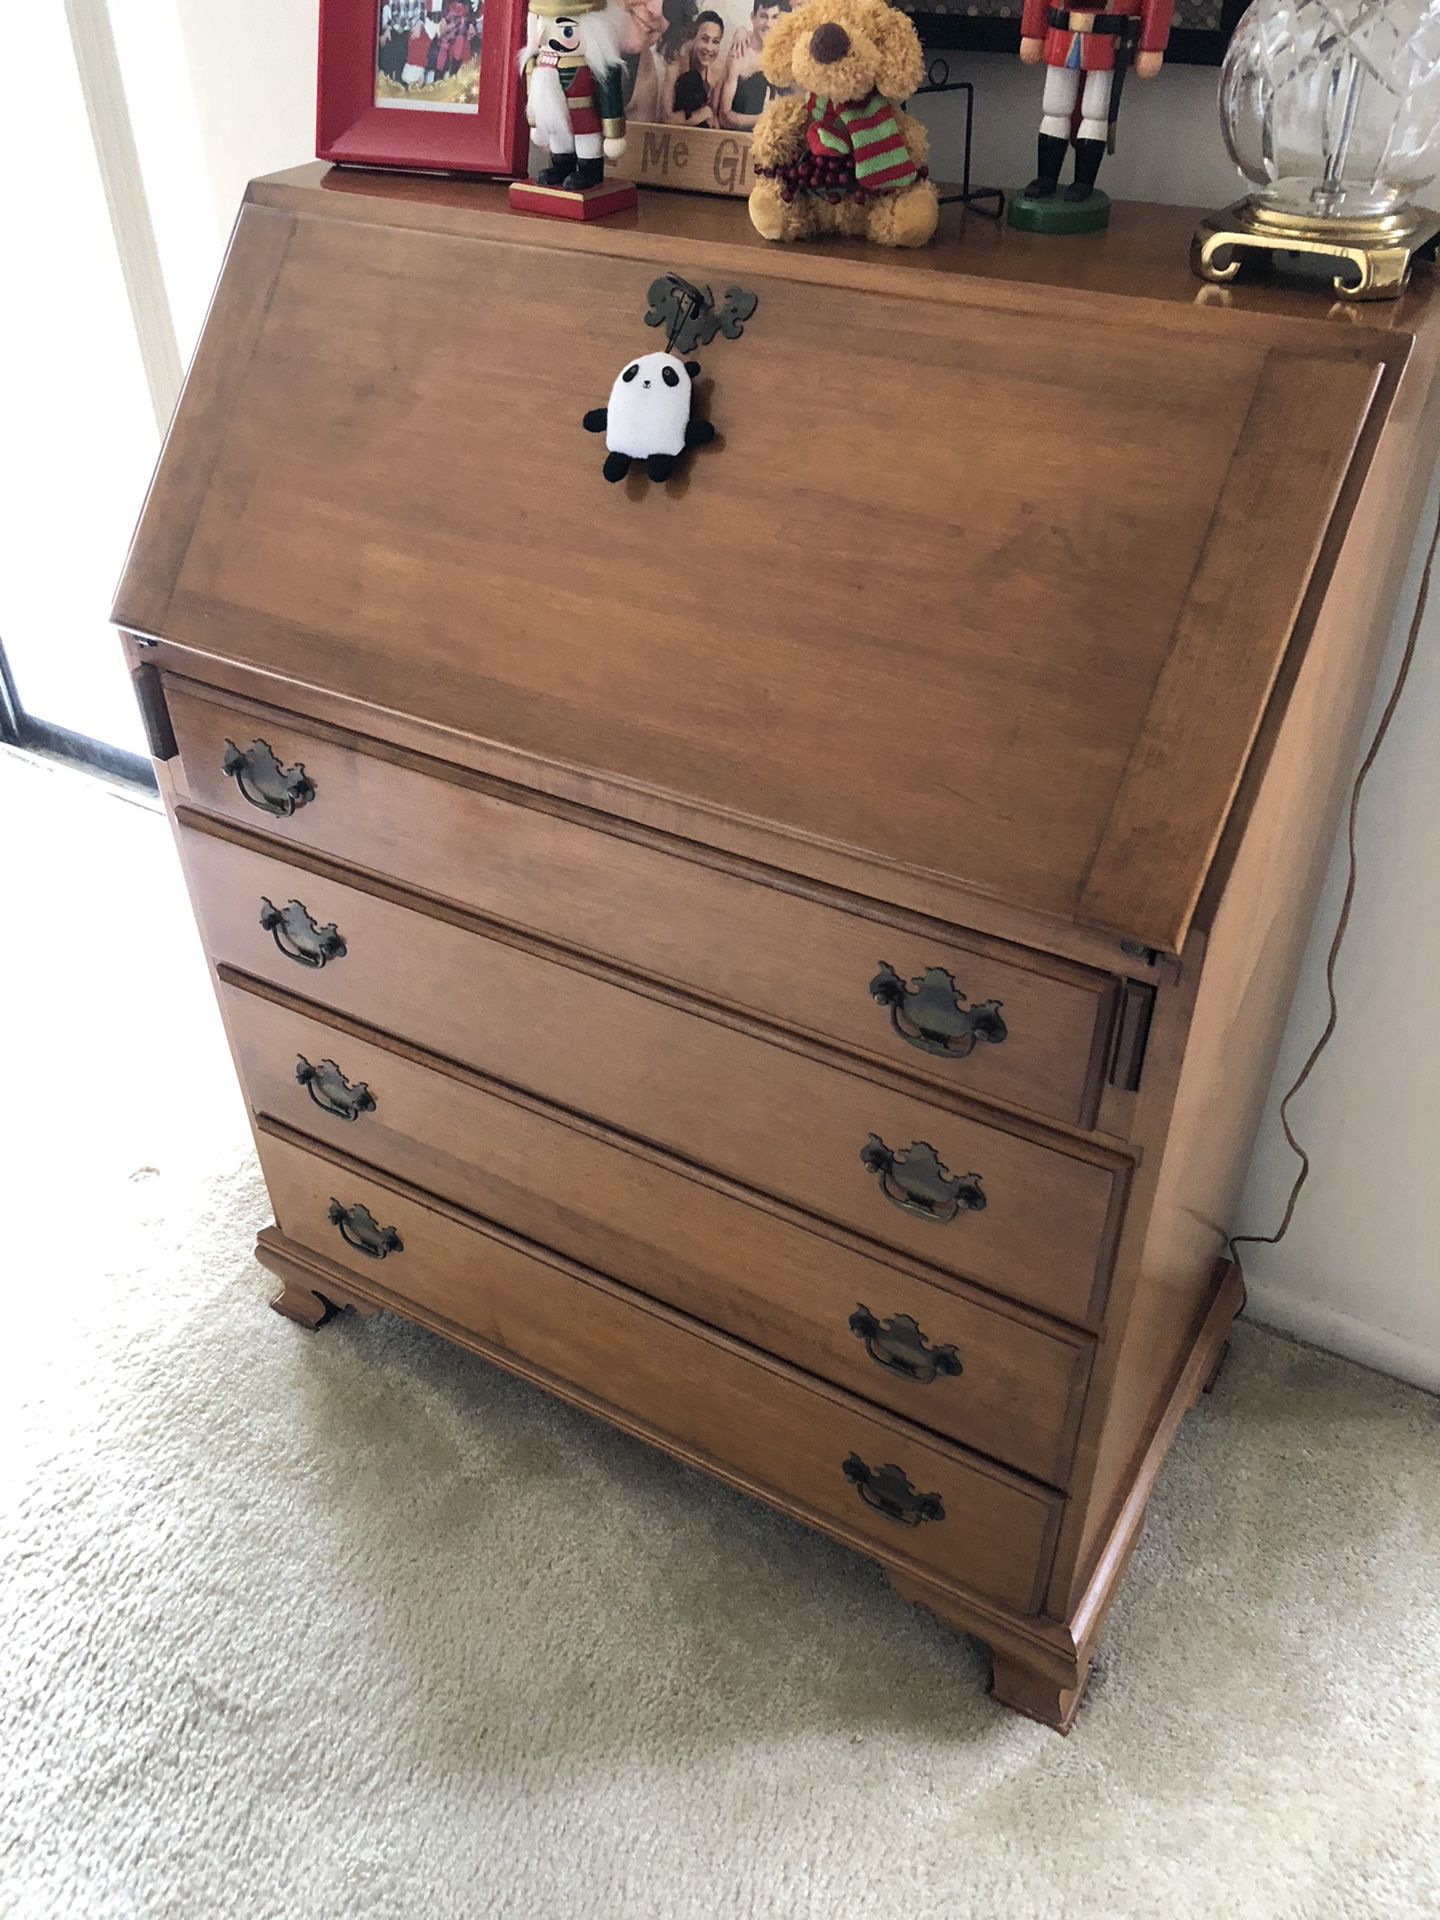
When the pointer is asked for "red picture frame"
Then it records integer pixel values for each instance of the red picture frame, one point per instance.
(352, 129)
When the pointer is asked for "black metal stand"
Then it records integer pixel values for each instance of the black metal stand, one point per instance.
(989, 201)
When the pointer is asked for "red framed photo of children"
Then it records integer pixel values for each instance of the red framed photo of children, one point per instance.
(432, 85)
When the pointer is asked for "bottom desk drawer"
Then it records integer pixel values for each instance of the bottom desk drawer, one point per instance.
(874, 1481)
(1000, 1383)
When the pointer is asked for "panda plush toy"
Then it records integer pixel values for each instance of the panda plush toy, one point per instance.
(648, 418)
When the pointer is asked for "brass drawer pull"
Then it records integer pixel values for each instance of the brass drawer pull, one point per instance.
(298, 937)
(332, 1092)
(929, 1012)
(899, 1346)
(360, 1229)
(889, 1491)
(915, 1181)
(264, 782)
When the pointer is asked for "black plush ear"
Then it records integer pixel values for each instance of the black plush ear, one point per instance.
(616, 466)
(692, 367)
(595, 421)
(660, 466)
(699, 433)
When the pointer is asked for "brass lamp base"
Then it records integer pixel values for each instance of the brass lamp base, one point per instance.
(1377, 253)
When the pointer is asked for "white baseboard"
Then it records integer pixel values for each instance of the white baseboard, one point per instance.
(1372, 1346)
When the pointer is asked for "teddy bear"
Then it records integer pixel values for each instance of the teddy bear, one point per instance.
(839, 155)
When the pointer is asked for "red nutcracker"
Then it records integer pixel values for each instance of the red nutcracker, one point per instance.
(1087, 56)
(573, 94)
(574, 101)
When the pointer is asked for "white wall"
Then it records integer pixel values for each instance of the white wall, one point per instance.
(1360, 1269)
(1169, 145)
(219, 91)
(77, 429)
(252, 64)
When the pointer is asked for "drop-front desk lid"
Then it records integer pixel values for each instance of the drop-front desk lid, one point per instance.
(989, 575)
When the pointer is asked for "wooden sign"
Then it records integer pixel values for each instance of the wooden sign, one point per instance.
(696, 158)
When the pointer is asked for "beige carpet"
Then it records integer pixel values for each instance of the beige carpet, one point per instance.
(349, 1624)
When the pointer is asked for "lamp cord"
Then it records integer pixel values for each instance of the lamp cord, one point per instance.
(1372, 753)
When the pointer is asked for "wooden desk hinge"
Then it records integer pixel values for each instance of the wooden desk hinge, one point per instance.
(1132, 1031)
(1138, 952)
(155, 715)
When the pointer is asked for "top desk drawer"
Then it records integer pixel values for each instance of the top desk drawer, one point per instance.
(705, 927)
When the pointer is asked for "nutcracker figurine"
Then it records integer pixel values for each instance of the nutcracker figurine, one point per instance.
(573, 101)
(1087, 57)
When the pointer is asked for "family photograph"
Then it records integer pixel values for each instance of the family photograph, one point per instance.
(698, 66)
(428, 55)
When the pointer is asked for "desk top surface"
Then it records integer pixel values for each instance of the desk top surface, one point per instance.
(992, 573)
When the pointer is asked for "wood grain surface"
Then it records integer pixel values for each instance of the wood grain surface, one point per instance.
(765, 1420)
(961, 685)
(757, 946)
(1020, 622)
(696, 1242)
(784, 1122)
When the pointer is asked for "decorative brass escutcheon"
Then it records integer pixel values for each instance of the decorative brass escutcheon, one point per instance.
(889, 1491)
(360, 1229)
(929, 1012)
(332, 1092)
(690, 316)
(297, 935)
(257, 772)
(916, 1181)
(898, 1345)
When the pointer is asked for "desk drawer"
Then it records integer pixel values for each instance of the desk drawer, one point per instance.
(809, 965)
(781, 1121)
(775, 1430)
(1004, 1385)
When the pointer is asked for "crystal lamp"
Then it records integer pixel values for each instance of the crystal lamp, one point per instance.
(1331, 111)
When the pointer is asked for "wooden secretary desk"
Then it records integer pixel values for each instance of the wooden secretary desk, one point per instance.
(790, 959)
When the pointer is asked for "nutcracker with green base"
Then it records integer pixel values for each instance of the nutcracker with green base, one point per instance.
(1087, 57)
(573, 100)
